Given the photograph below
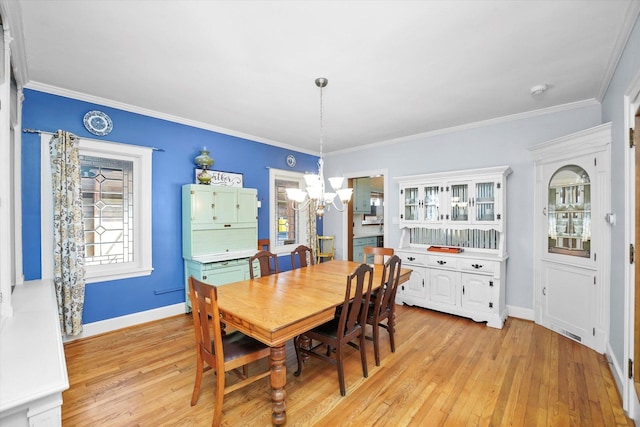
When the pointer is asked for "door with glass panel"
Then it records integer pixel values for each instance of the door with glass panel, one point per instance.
(569, 267)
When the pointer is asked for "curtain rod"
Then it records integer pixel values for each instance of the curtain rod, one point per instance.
(38, 131)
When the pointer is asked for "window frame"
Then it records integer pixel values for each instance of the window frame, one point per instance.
(141, 157)
(302, 220)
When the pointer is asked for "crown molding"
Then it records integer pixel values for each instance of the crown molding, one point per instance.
(633, 12)
(498, 120)
(11, 12)
(54, 90)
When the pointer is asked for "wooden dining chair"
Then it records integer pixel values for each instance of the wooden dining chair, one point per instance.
(340, 331)
(383, 306)
(302, 251)
(222, 353)
(268, 263)
(379, 254)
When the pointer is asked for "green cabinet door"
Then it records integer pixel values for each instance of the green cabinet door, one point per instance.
(225, 206)
(197, 204)
(247, 206)
(362, 196)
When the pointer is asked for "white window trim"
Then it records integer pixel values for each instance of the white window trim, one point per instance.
(302, 218)
(142, 160)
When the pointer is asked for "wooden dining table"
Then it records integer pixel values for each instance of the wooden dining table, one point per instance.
(278, 307)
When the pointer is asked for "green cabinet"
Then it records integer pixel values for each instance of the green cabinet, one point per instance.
(219, 207)
(358, 247)
(218, 220)
(217, 273)
(362, 195)
(219, 233)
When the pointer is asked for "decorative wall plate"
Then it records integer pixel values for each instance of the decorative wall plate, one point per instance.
(98, 123)
(291, 160)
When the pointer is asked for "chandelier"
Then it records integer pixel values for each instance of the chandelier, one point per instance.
(315, 194)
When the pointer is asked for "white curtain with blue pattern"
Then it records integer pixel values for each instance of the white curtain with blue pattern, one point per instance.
(68, 230)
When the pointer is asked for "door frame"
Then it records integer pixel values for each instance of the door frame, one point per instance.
(346, 235)
(630, 399)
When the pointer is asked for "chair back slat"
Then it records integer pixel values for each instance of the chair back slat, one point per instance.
(390, 280)
(379, 254)
(206, 320)
(267, 261)
(304, 255)
(354, 309)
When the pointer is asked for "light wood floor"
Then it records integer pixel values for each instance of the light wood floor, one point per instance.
(446, 371)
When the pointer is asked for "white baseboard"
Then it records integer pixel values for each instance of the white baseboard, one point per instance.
(95, 328)
(520, 313)
(616, 370)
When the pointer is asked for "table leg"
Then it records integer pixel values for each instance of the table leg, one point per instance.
(278, 381)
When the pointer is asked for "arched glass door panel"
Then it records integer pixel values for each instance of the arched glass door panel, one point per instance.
(569, 207)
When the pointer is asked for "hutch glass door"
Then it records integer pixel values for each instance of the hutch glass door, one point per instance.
(485, 201)
(459, 202)
(569, 228)
(431, 203)
(411, 203)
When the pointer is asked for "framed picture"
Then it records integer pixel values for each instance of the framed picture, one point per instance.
(220, 178)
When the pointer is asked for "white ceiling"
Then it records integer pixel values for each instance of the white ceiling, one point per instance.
(395, 68)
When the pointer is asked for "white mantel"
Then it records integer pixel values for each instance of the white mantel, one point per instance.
(33, 371)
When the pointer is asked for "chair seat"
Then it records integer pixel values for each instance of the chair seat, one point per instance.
(328, 329)
(237, 344)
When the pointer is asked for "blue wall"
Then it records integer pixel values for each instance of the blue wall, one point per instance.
(171, 169)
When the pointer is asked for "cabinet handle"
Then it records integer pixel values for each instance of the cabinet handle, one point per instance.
(204, 277)
(544, 291)
(476, 265)
(441, 262)
(411, 258)
(544, 211)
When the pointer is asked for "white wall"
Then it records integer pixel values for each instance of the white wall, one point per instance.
(613, 111)
(491, 144)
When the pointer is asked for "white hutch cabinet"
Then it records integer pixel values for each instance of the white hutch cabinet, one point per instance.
(453, 238)
(219, 233)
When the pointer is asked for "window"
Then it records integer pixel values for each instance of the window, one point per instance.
(107, 207)
(288, 227)
(569, 209)
(116, 191)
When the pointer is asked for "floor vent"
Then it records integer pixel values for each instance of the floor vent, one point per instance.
(567, 333)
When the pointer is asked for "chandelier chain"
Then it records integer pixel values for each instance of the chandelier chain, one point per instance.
(321, 124)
